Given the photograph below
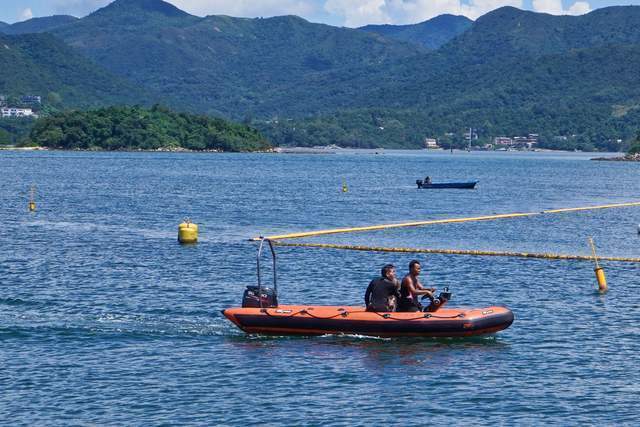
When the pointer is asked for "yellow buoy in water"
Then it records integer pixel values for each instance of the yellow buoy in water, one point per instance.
(602, 280)
(344, 187)
(32, 199)
(600, 277)
(187, 232)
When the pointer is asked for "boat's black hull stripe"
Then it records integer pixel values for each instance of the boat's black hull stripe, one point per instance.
(253, 322)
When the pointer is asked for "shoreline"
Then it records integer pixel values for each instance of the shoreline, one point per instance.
(309, 150)
(160, 150)
(625, 158)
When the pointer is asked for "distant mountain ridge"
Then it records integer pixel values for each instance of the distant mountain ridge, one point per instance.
(220, 64)
(510, 72)
(37, 25)
(509, 32)
(431, 34)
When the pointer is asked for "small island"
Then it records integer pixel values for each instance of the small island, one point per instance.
(140, 129)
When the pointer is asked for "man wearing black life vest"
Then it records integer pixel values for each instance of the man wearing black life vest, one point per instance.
(411, 289)
(383, 292)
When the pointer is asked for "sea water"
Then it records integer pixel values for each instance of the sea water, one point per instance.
(105, 319)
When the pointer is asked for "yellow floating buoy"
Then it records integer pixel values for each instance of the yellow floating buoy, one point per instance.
(602, 280)
(187, 232)
(600, 277)
(32, 201)
(344, 187)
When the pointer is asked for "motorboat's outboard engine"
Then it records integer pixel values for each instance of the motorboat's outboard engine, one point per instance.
(438, 302)
(419, 182)
(253, 297)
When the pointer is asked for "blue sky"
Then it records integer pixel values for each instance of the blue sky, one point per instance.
(350, 13)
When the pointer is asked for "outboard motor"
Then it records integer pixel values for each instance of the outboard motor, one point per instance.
(438, 302)
(419, 182)
(253, 297)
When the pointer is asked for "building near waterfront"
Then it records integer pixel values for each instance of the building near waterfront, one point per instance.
(431, 143)
(519, 142)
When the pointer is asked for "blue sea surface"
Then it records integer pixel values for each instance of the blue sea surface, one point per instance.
(106, 320)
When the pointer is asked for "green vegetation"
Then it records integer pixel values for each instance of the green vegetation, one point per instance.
(224, 65)
(571, 79)
(15, 131)
(135, 128)
(37, 25)
(40, 64)
(430, 34)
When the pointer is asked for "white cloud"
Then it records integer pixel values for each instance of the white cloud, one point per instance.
(476, 8)
(247, 8)
(580, 8)
(555, 7)
(361, 12)
(26, 14)
(357, 13)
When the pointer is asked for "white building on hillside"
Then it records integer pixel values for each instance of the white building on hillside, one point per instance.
(17, 112)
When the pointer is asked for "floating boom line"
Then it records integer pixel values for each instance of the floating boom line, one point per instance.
(456, 252)
(439, 221)
(386, 226)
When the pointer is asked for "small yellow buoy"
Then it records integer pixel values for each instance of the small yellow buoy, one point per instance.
(344, 187)
(602, 280)
(600, 277)
(32, 201)
(187, 232)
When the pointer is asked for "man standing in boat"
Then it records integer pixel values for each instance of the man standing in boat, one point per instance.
(411, 289)
(383, 292)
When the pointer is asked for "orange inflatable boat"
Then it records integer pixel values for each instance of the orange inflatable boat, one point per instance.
(321, 320)
(261, 314)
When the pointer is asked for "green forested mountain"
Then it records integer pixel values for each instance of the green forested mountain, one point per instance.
(512, 73)
(135, 128)
(591, 93)
(3, 25)
(571, 79)
(41, 64)
(220, 64)
(509, 33)
(430, 34)
(38, 25)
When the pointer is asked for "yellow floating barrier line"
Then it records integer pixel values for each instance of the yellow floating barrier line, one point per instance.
(456, 252)
(385, 226)
(437, 221)
(588, 208)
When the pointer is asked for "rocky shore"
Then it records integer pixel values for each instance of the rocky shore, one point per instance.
(626, 158)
